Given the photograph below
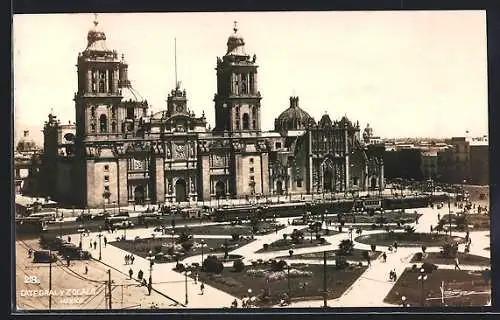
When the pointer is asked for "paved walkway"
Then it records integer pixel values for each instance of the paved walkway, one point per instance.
(375, 277)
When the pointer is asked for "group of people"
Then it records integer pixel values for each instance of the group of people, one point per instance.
(129, 259)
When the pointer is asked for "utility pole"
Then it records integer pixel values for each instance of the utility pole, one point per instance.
(109, 288)
(324, 280)
(50, 280)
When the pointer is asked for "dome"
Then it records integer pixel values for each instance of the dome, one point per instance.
(96, 39)
(293, 118)
(236, 43)
(325, 121)
(26, 143)
(130, 94)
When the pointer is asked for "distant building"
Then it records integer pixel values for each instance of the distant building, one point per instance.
(405, 163)
(26, 164)
(465, 161)
(430, 164)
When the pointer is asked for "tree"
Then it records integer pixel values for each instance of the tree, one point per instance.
(238, 265)
(346, 246)
(212, 265)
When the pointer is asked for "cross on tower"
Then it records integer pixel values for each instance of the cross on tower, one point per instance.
(235, 28)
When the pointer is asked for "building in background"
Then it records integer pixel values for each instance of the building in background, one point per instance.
(429, 164)
(118, 152)
(26, 165)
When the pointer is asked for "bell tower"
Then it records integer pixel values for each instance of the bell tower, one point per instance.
(237, 101)
(98, 96)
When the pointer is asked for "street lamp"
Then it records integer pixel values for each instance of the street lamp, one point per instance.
(202, 243)
(422, 277)
(100, 235)
(249, 296)
(114, 207)
(403, 301)
(151, 259)
(186, 274)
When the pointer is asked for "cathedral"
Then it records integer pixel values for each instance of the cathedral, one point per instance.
(119, 152)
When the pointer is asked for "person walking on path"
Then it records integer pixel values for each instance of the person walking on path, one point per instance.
(95, 245)
(69, 239)
(105, 242)
(439, 217)
(432, 229)
(126, 259)
(395, 246)
(86, 270)
(457, 266)
(384, 256)
(202, 289)
(132, 258)
(130, 273)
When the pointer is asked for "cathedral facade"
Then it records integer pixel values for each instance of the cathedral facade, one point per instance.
(120, 152)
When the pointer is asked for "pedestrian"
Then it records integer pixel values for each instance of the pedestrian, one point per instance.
(86, 270)
(391, 275)
(439, 216)
(416, 220)
(132, 258)
(395, 246)
(288, 221)
(432, 228)
(68, 260)
(95, 244)
(394, 276)
(196, 278)
(30, 252)
(130, 273)
(150, 287)
(140, 274)
(202, 288)
(457, 266)
(69, 239)
(277, 229)
(126, 259)
(384, 256)
(105, 242)
(368, 260)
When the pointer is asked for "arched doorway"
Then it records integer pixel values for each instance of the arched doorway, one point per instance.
(139, 194)
(373, 183)
(327, 180)
(180, 190)
(279, 187)
(220, 190)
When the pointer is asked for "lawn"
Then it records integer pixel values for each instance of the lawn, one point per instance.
(457, 284)
(405, 239)
(463, 259)
(141, 247)
(479, 222)
(356, 255)
(306, 282)
(285, 244)
(244, 229)
(324, 232)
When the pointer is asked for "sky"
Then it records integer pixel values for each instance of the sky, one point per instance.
(406, 73)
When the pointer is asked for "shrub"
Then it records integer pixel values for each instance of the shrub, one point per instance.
(235, 236)
(374, 226)
(322, 240)
(373, 247)
(278, 265)
(238, 265)
(429, 267)
(318, 236)
(184, 236)
(409, 229)
(187, 245)
(419, 256)
(346, 246)
(380, 220)
(414, 268)
(265, 246)
(179, 267)
(171, 250)
(387, 229)
(157, 248)
(341, 262)
(449, 250)
(212, 265)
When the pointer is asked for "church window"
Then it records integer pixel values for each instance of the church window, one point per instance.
(106, 178)
(113, 112)
(246, 121)
(251, 170)
(278, 145)
(92, 127)
(103, 123)
(102, 85)
(130, 112)
(113, 127)
(355, 181)
(237, 125)
(106, 167)
(251, 160)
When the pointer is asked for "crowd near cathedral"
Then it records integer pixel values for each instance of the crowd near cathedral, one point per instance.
(118, 151)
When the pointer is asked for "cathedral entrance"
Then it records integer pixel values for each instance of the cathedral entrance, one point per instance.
(220, 189)
(279, 187)
(139, 195)
(373, 183)
(327, 180)
(180, 191)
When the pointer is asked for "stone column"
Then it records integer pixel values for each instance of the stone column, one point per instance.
(205, 177)
(160, 179)
(123, 190)
(381, 175)
(89, 81)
